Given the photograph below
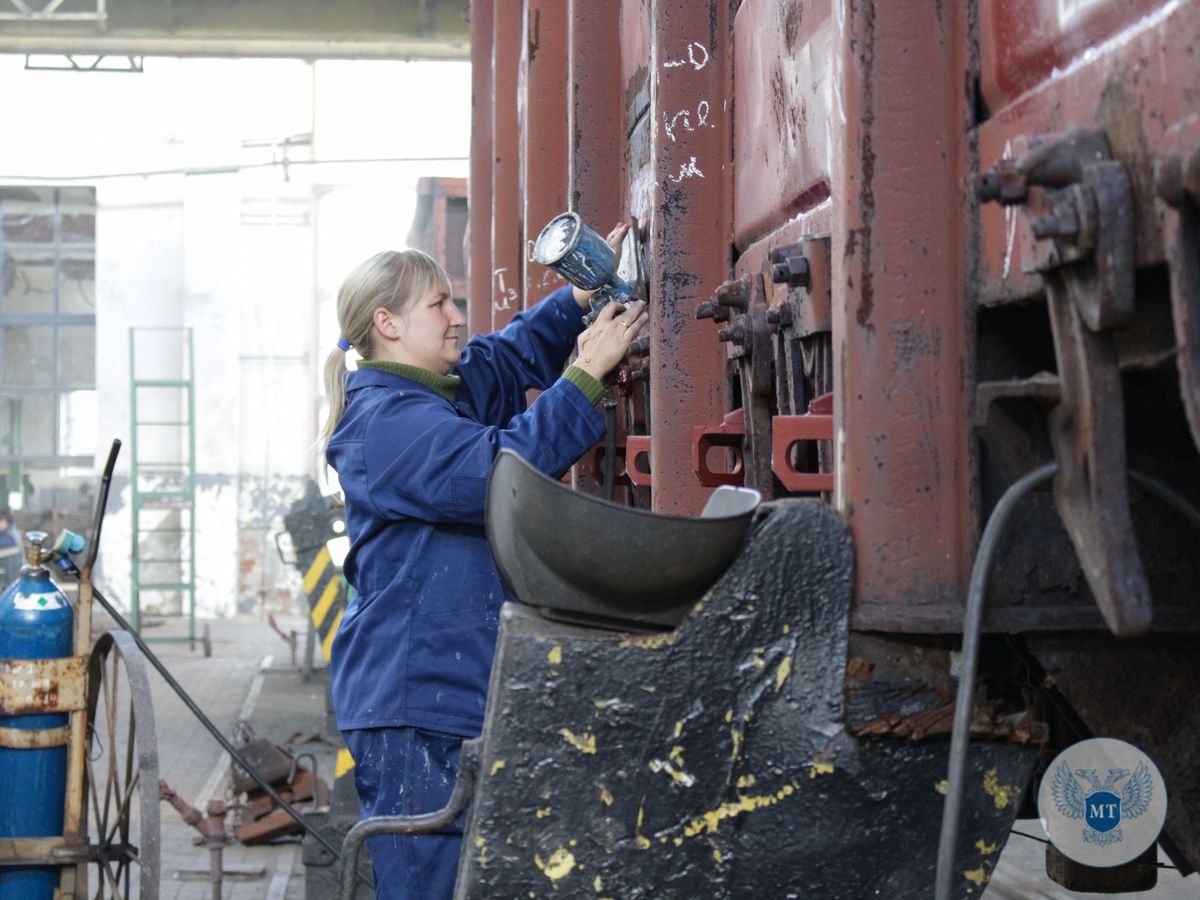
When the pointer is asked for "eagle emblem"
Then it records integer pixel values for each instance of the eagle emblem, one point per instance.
(1099, 804)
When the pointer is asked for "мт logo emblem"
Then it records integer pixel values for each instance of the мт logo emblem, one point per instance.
(1100, 808)
(1102, 802)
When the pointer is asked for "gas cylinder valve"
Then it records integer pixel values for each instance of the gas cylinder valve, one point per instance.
(38, 550)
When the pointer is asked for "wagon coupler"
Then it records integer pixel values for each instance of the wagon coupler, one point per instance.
(1079, 235)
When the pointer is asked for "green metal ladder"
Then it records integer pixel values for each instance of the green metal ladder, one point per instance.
(163, 479)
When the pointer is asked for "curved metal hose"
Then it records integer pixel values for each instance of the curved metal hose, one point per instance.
(460, 799)
(972, 621)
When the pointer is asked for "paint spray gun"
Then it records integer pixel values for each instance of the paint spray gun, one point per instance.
(584, 258)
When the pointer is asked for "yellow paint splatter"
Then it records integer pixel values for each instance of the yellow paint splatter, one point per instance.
(677, 775)
(650, 641)
(678, 729)
(598, 884)
(784, 670)
(787, 629)
(643, 842)
(985, 848)
(729, 715)
(678, 841)
(641, 816)
(481, 846)
(717, 855)
(545, 812)
(497, 766)
(746, 781)
(555, 655)
(605, 704)
(821, 768)
(676, 754)
(979, 876)
(737, 742)
(942, 786)
(606, 797)
(559, 865)
(699, 607)
(649, 688)
(584, 744)
(1001, 794)
(711, 820)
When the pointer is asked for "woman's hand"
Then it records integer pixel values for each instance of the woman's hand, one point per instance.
(607, 340)
(614, 240)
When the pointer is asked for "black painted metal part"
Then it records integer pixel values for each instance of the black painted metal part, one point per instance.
(711, 760)
(586, 558)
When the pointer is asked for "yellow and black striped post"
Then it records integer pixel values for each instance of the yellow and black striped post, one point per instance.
(312, 523)
(328, 593)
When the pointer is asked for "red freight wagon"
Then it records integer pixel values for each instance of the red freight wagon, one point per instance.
(932, 266)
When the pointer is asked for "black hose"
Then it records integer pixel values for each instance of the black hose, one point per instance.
(212, 729)
(972, 621)
(610, 446)
(68, 566)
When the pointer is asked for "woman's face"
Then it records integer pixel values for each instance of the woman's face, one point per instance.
(429, 331)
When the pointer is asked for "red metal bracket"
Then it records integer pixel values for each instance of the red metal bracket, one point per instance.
(731, 433)
(816, 425)
(637, 447)
(592, 463)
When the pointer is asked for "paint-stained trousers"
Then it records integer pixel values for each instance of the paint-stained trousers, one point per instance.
(407, 772)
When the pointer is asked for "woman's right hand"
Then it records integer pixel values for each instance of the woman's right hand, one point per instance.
(607, 340)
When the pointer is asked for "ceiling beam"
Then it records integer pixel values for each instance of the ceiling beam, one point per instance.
(310, 29)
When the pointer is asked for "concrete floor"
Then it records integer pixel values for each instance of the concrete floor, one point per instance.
(250, 677)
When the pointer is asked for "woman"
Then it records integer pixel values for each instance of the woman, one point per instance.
(412, 434)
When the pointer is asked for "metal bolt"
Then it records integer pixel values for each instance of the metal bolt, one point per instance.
(641, 346)
(988, 187)
(640, 373)
(1063, 225)
(733, 294)
(710, 310)
(733, 334)
(1175, 178)
(780, 315)
(793, 271)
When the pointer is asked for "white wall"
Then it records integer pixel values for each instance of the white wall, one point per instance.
(249, 258)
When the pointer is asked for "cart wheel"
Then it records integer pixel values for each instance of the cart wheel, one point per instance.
(207, 642)
(122, 772)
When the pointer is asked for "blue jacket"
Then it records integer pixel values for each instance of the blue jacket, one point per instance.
(415, 645)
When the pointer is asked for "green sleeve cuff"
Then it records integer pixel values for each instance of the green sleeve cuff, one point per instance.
(592, 389)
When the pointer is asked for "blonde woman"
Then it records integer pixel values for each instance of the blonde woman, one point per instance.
(412, 435)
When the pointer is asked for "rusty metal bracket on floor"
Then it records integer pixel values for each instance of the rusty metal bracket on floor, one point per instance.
(1080, 205)
(1177, 180)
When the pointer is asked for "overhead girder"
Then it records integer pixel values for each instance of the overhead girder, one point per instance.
(368, 29)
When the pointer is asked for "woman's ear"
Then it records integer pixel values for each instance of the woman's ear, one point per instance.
(385, 323)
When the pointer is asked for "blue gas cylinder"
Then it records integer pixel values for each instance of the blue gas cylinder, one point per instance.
(36, 622)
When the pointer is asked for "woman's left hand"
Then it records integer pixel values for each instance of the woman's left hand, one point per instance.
(614, 240)
(607, 340)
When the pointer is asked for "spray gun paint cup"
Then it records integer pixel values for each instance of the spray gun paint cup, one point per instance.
(584, 258)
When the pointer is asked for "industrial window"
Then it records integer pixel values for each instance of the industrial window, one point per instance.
(47, 338)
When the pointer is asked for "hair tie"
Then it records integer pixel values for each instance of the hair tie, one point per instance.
(344, 345)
